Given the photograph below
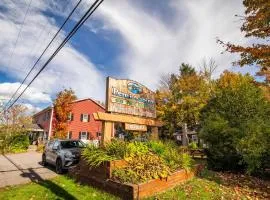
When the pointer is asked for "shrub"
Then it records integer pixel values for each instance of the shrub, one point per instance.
(40, 148)
(142, 168)
(136, 149)
(95, 156)
(116, 148)
(193, 145)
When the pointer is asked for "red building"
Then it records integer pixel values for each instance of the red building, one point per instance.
(81, 123)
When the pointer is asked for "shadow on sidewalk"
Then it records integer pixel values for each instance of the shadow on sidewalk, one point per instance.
(36, 178)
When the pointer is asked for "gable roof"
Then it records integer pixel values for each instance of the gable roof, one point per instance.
(86, 99)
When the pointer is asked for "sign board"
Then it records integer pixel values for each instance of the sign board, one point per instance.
(135, 127)
(130, 97)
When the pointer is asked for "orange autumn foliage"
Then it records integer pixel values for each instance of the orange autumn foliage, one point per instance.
(62, 107)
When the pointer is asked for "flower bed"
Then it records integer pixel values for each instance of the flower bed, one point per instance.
(134, 169)
(100, 177)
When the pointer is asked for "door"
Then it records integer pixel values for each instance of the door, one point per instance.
(55, 149)
(49, 151)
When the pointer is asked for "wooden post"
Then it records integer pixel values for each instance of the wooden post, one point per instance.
(107, 132)
(154, 133)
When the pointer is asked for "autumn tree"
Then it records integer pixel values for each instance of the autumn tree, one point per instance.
(62, 108)
(180, 101)
(256, 26)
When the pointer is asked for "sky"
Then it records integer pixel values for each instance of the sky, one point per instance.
(139, 40)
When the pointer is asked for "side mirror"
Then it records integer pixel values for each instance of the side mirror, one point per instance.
(55, 148)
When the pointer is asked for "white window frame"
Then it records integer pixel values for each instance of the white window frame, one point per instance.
(194, 137)
(85, 117)
(82, 133)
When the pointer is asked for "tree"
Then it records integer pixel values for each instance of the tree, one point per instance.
(180, 102)
(236, 125)
(62, 108)
(256, 25)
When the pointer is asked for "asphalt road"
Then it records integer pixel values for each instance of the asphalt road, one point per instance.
(22, 168)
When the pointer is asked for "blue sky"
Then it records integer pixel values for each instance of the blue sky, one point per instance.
(140, 40)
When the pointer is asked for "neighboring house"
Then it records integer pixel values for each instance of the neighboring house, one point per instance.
(81, 123)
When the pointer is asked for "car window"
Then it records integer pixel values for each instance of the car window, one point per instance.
(50, 144)
(56, 144)
(72, 144)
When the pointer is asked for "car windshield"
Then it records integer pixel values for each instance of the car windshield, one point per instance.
(72, 144)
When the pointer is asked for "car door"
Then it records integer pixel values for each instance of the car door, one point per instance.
(55, 150)
(49, 151)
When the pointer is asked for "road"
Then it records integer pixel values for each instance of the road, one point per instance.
(22, 168)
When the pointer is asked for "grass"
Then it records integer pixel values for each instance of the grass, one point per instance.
(58, 188)
(212, 185)
(209, 185)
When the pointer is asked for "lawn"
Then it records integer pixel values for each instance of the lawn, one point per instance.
(210, 185)
(58, 188)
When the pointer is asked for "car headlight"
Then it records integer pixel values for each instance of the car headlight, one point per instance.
(68, 155)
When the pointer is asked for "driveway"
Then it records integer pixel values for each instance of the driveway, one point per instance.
(22, 168)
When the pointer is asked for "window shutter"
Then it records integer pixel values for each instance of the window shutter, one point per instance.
(70, 135)
(81, 117)
(88, 118)
(71, 117)
(88, 135)
(80, 135)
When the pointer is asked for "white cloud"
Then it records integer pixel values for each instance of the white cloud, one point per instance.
(69, 69)
(32, 94)
(154, 47)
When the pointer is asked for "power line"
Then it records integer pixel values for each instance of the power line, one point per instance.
(88, 13)
(19, 34)
(44, 51)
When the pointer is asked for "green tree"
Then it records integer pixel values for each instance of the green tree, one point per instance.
(180, 101)
(235, 124)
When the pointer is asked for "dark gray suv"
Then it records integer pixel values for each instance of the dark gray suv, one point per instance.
(62, 153)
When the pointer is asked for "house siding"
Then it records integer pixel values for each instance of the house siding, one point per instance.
(75, 126)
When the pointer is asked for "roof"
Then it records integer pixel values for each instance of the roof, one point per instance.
(85, 99)
(45, 109)
(78, 100)
(33, 127)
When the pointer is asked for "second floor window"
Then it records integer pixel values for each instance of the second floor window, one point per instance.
(70, 116)
(85, 118)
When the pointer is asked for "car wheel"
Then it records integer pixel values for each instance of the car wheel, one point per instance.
(44, 162)
(58, 166)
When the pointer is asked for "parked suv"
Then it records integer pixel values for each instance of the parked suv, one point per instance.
(62, 153)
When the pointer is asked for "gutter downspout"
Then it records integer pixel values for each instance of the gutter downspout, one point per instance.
(50, 126)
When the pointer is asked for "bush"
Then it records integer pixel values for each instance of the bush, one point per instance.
(193, 145)
(235, 124)
(141, 168)
(117, 149)
(40, 148)
(15, 141)
(95, 156)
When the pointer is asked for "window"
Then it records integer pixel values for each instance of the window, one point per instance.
(84, 135)
(194, 137)
(98, 134)
(44, 116)
(69, 136)
(85, 117)
(56, 144)
(70, 116)
(72, 144)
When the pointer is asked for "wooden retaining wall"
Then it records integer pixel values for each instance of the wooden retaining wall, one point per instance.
(100, 178)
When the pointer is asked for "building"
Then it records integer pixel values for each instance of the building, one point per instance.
(81, 123)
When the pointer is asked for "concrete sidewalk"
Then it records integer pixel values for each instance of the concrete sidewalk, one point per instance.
(22, 168)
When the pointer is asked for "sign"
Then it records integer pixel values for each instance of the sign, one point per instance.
(135, 127)
(130, 97)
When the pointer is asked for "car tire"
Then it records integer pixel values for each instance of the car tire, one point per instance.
(44, 162)
(58, 166)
